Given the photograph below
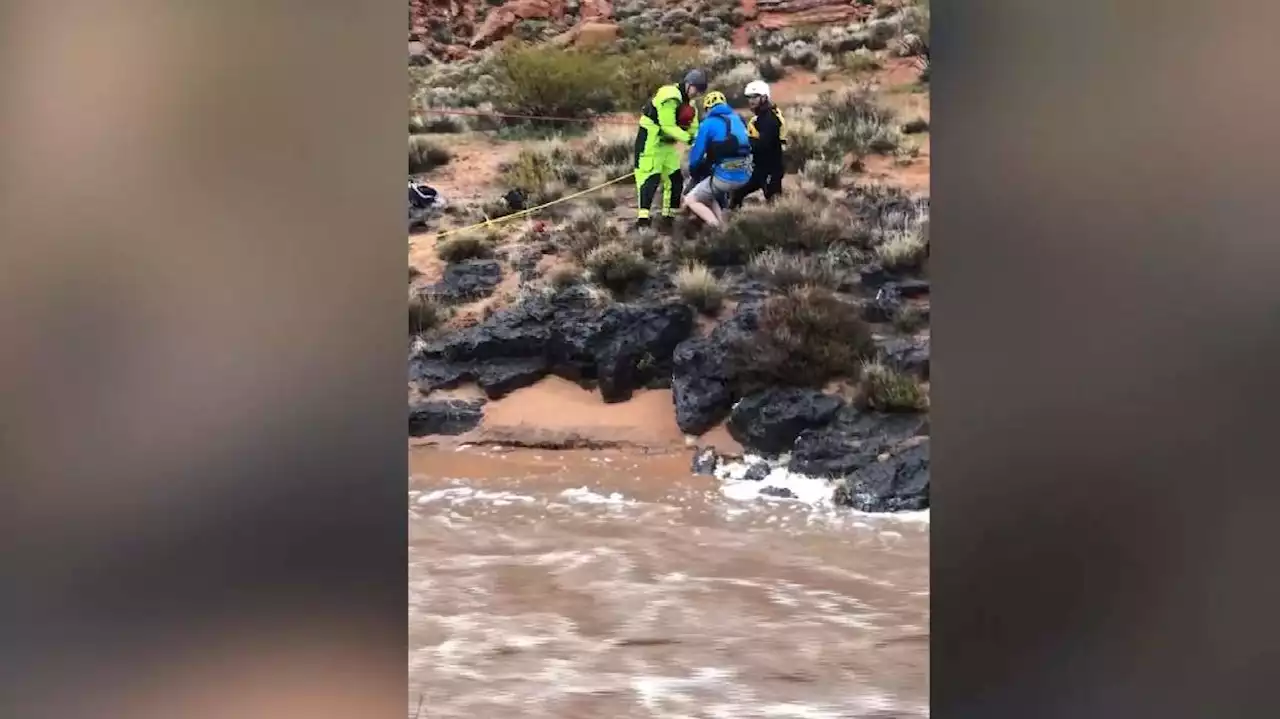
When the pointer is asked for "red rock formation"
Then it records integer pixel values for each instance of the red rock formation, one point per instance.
(777, 14)
(502, 20)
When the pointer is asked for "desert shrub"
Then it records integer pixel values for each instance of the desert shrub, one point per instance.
(424, 313)
(804, 143)
(791, 223)
(771, 68)
(915, 126)
(586, 228)
(856, 123)
(699, 288)
(787, 270)
(860, 60)
(536, 169)
(824, 173)
(464, 247)
(804, 54)
(639, 73)
(806, 337)
(553, 81)
(886, 389)
(909, 319)
(733, 82)
(881, 32)
(902, 250)
(612, 145)
(429, 124)
(563, 276)
(426, 155)
(617, 267)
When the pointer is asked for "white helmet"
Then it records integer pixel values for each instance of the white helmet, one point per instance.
(757, 87)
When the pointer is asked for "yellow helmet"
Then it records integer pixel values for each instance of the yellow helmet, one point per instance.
(713, 98)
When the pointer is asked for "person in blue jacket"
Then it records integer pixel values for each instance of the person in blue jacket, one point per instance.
(720, 157)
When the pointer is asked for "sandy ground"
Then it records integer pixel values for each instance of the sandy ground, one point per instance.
(559, 413)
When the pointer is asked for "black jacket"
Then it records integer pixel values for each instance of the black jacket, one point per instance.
(767, 131)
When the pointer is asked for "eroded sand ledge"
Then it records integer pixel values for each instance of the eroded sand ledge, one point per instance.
(556, 413)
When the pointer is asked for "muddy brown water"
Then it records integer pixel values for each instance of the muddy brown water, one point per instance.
(618, 585)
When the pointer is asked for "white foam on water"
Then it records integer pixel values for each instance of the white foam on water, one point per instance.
(584, 495)
(813, 491)
(464, 494)
(654, 692)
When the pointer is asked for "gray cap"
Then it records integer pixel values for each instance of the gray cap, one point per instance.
(697, 78)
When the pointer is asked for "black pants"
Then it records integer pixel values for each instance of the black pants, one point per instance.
(766, 176)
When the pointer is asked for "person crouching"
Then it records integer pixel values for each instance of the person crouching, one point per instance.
(721, 155)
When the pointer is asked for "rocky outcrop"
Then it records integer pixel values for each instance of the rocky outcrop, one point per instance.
(853, 439)
(502, 20)
(768, 422)
(439, 29)
(449, 416)
(896, 482)
(778, 14)
(908, 354)
(618, 349)
(703, 378)
(466, 281)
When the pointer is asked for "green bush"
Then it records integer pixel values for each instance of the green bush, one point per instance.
(553, 81)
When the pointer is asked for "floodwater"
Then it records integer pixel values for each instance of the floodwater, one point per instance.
(609, 585)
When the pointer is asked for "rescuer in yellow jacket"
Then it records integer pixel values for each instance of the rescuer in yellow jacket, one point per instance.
(657, 153)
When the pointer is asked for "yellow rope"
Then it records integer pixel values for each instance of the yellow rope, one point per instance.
(531, 210)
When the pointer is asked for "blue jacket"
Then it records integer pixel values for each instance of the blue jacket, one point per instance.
(716, 127)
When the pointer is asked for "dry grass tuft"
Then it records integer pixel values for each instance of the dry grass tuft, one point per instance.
(424, 313)
(464, 247)
(886, 389)
(787, 270)
(699, 288)
(426, 154)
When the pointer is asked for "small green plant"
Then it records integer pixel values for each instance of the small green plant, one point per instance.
(699, 288)
(886, 389)
(464, 247)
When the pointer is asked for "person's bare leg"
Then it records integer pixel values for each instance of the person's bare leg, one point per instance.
(718, 211)
(706, 214)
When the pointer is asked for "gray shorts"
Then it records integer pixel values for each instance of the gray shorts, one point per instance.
(712, 189)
